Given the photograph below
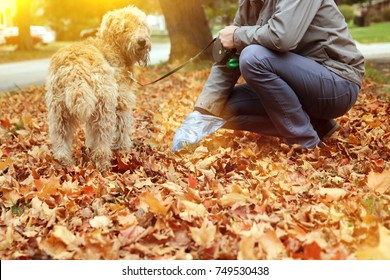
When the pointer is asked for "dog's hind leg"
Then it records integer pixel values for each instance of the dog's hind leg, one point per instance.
(100, 133)
(124, 123)
(61, 130)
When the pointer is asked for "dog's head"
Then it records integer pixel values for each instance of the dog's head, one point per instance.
(128, 29)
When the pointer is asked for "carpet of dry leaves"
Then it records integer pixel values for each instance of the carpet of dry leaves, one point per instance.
(237, 195)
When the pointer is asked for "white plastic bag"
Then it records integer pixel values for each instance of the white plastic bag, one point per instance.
(195, 127)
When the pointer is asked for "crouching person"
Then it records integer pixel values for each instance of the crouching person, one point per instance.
(301, 67)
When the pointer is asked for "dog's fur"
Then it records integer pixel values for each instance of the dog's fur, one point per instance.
(88, 82)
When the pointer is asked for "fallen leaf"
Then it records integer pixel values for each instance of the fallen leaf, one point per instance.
(332, 194)
(5, 165)
(192, 210)
(247, 249)
(380, 252)
(272, 245)
(204, 235)
(63, 234)
(154, 204)
(100, 222)
(379, 182)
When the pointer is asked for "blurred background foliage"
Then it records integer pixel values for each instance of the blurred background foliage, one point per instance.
(69, 18)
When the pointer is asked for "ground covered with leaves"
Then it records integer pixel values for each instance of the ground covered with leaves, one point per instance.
(237, 195)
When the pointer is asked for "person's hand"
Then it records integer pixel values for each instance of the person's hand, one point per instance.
(226, 37)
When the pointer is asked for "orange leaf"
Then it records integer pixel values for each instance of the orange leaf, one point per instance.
(47, 187)
(5, 165)
(352, 139)
(192, 181)
(312, 252)
(154, 204)
(89, 190)
(5, 123)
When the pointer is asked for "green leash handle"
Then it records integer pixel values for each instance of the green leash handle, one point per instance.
(232, 63)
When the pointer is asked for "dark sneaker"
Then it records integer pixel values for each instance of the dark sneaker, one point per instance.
(325, 128)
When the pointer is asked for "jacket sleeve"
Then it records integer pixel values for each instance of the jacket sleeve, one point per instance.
(219, 84)
(217, 88)
(284, 30)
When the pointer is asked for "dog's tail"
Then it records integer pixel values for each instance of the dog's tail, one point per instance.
(80, 100)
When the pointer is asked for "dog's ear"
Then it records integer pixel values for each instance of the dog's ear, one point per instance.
(110, 21)
(116, 22)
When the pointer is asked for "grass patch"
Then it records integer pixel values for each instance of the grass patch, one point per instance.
(9, 54)
(375, 33)
(380, 74)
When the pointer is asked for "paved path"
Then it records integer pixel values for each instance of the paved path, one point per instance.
(375, 51)
(17, 75)
(14, 76)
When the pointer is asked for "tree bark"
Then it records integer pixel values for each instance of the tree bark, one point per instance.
(23, 21)
(188, 28)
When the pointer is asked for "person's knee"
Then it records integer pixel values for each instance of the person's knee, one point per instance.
(253, 60)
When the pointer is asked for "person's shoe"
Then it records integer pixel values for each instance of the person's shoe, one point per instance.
(325, 128)
(321, 145)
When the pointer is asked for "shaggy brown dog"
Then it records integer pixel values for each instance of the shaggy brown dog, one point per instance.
(88, 82)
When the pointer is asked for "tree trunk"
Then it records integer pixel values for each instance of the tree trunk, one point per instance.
(23, 21)
(188, 28)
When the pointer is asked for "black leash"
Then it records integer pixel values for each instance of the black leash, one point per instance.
(176, 69)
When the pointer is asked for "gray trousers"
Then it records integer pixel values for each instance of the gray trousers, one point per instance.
(285, 94)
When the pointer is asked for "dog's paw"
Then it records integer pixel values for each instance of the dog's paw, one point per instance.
(64, 159)
(103, 166)
(102, 159)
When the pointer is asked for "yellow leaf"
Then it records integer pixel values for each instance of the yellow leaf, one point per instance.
(230, 199)
(272, 245)
(26, 120)
(204, 235)
(379, 182)
(246, 248)
(332, 194)
(55, 248)
(10, 197)
(63, 234)
(155, 206)
(192, 210)
(380, 252)
(206, 163)
(8, 238)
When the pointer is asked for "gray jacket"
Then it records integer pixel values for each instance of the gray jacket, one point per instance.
(312, 28)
